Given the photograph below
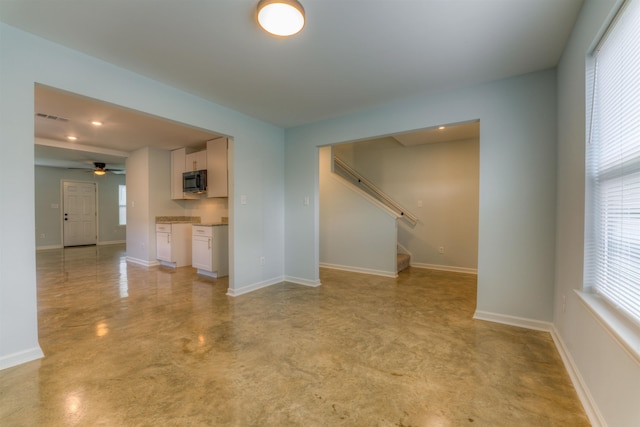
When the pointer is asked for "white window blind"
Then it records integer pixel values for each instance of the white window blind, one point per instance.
(613, 165)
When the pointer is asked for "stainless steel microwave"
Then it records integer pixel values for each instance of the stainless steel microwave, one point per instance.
(194, 181)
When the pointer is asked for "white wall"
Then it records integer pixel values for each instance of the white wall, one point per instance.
(148, 196)
(610, 376)
(48, 193)
(210, 210)
(138, 238)
(356, 233)
(444, 178)
(517, 184)
(258, 155)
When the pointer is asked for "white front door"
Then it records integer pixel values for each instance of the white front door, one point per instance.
(79, 221)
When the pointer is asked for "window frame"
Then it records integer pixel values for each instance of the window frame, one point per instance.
(621, 324)
(122, 205)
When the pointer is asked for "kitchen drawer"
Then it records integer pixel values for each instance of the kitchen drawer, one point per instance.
(202, 230)
(163, 228)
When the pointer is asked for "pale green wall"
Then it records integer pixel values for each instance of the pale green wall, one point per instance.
(48, 183)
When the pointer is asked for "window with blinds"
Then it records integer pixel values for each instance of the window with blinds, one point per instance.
(122, 204)
(613, 166)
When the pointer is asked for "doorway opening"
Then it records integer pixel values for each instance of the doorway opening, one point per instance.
(432, 174)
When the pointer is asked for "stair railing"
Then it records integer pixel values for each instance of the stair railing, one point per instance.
(371, 189)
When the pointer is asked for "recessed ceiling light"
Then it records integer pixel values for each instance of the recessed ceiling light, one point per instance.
(281, 17)
(441, 127)
(96, 123)
(72, 138)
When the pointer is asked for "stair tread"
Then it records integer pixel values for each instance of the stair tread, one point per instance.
(403, 261)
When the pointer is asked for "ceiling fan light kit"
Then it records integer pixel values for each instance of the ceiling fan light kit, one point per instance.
(281, 17)
(99, 168)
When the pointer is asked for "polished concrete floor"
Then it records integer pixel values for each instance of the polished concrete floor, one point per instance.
(129, 346)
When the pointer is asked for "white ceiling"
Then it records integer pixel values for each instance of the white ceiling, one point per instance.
(122, 131)
(444, 133)
(351, 55)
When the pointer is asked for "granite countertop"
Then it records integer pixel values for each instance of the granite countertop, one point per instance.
(223, 221)
(177, 220)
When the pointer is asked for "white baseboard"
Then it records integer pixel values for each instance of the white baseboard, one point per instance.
(521, 322)
(142, 262)
(254, 286)
(212, 274)
(301, 281)
(590, 407)
(445, 268)
(21, 357)
(391, 274)
(111, 242)
(44, 248)
(106, 242)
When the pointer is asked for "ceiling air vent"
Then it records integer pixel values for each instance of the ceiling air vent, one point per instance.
(50, 117)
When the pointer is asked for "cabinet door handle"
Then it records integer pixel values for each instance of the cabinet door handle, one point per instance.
(209, 243)
(168, 238)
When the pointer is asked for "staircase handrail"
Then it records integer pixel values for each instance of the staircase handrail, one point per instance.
(376, 192)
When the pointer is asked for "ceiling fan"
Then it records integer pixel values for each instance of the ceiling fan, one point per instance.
(100, 168)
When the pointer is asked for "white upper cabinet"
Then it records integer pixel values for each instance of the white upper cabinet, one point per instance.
(213, 159)
(196, 161)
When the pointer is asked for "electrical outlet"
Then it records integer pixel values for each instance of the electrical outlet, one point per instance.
(262, 260)
(42, 236)
(441, 249)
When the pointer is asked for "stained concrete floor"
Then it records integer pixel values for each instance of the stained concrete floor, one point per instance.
(129, 346)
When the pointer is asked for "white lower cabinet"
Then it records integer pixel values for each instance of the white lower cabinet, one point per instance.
(209, 249)
(173, 244)
(163, 246)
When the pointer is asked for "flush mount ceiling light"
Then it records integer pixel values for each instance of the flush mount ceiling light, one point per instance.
(281, 17)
